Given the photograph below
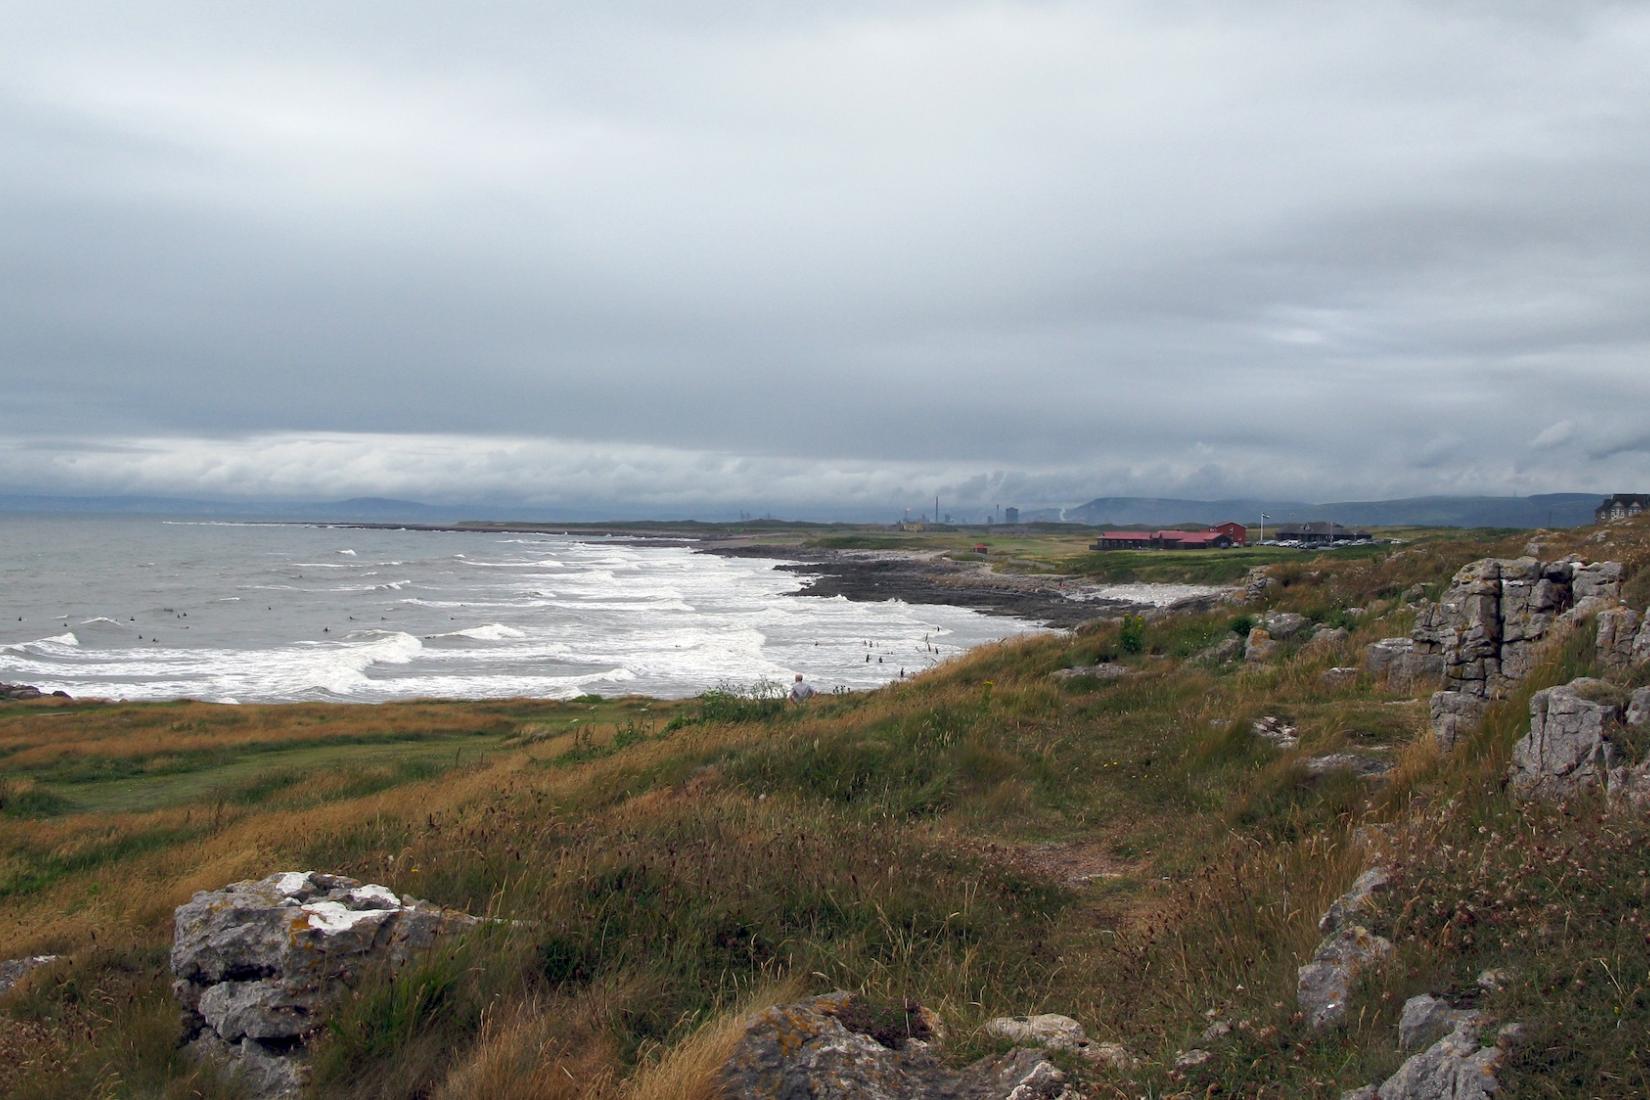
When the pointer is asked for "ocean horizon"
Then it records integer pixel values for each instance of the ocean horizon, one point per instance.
(147, 608)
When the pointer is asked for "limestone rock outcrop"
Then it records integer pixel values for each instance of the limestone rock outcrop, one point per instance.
(13, 971)
(1360, 897)
(1328, 637)
(1425, 1017)
(1258, 585)
(1397, 661)
(1284, 625)
(1347, 950)
(1574, 742)
(1260, 645)
(1051, 1031)
(1356, 764)
(1453, 714)
(260, 965)
(1100, 672)
(1456, 1067)
(1229, 648)
(1325, 983)
(1275, 731)
(1486, 626)
(1486, 631)
(834, 1047)
(1623, 638)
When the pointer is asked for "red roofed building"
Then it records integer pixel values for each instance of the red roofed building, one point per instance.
(1123, 540)
(1220, 536)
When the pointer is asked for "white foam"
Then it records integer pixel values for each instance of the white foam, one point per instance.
(56, 640)
(1151, 595)
(492, 632)
(347, 553)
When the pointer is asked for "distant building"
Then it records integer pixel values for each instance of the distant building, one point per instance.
(1011, 515)
(1320, 533)
(1221, 536)
(1621, 506)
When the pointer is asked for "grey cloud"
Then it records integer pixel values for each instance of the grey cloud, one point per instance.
(1048, 249)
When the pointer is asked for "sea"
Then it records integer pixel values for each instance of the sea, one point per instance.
(156, 608)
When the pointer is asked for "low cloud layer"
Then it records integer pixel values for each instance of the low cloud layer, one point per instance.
(703, 257)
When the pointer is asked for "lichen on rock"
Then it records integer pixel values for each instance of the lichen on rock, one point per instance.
(260, 965)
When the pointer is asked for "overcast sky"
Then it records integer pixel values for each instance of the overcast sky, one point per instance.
(693, 258)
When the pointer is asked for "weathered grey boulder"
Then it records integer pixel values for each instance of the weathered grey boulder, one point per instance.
(1399, 663)
(260, 965)
(1101, 672)
(1600, 580)
(1570, 747)
(1216, 1031)
(1275, 731)
(1453, 715)
(1229, 648)
(1260, 646)
(832, 1048)
(1340, 675)
(1358, 764)
(1638, 708)
(1628, 786)
(13, 971)
(24, 692)
(1258, 585)
(254, 1068)
(1347, 950)
(1456, 1067)
(1487, 629)
(1426, 1017)
(1359, 898)
(1328, 637)
(1284, 625)
(1641, 645)
(1051, 1031)
(1323, 985)
(1617, 631)
(1463, 628)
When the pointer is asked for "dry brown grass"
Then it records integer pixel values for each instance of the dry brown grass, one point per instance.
(39, 734)
(1227, 853)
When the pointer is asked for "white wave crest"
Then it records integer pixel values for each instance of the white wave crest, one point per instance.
(492, 632)
(56, 641)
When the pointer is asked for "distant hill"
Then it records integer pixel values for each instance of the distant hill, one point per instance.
(358, 508)
(1547, 510)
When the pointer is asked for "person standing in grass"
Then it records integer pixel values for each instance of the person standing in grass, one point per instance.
(801, 692)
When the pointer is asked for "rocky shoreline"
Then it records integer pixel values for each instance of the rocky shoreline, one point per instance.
(871, 576)
(930, 578)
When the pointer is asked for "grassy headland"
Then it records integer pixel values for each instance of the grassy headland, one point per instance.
(985, 838)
